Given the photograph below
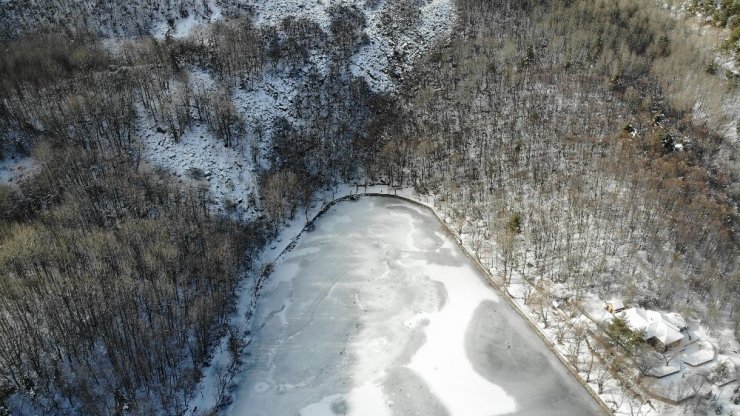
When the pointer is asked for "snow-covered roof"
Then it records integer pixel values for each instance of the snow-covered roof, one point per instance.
(674, 388)
(663, 371)
(676, 319)
(616, 304)
(654, 324)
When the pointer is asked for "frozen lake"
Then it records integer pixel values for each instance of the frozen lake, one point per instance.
(377, 312)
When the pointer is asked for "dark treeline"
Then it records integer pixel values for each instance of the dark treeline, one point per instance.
(115, 281)
(69, 89)
(113, 295)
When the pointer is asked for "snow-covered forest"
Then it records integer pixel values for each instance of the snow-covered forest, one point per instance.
(154, 152)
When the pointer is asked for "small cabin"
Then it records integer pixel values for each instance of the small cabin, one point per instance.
(614, 306)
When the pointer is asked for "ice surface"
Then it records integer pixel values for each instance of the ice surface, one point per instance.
(377, 312)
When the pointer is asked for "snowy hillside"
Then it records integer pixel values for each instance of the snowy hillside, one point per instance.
(394, 35)
(398, 31)
(377, 313)
(108, 18)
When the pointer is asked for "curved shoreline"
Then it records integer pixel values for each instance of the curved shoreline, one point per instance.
(501, 291)
(484, 273)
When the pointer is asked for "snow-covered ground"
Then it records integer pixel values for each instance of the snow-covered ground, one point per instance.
(376, 311)
(392, 49)
(226, 172)
(184, 26)
(15, 168)
(372, 60)
(386, 40)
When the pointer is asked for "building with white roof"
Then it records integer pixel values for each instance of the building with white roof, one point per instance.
(660, 330)
(615, 305)
(676, 319)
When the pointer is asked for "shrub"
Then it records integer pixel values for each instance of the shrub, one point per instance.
(514, 225)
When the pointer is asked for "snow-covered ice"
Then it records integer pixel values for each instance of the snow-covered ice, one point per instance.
(377, 312)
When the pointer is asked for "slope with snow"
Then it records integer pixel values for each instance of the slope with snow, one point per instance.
(388, 38)
(392, 48)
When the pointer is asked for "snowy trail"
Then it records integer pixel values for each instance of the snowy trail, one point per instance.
(377, 312)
